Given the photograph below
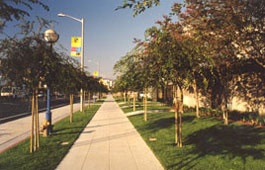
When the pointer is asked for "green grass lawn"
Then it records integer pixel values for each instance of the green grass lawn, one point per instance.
(51, 150)
(208, 144)
(128, 107)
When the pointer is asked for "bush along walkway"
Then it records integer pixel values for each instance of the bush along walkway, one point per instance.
(208, 144)
(52, 149)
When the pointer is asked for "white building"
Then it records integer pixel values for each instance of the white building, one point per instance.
(108, 83)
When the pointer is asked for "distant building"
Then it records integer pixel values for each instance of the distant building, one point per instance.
(108, 83)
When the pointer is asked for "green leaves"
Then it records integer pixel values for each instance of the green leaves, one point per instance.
(138, 6)
(13, 9)
(218, 45)
(34, 63)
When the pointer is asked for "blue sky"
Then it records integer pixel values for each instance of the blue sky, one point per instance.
(109, 34)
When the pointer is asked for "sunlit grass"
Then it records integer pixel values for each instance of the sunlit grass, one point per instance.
(151, 106)
(208, 144)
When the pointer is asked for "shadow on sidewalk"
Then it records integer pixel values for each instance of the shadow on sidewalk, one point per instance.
(104, 139)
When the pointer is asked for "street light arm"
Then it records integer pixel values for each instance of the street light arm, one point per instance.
(69, 16)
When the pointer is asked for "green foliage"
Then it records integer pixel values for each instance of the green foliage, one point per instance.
(52, 149)
(217, 45)
(33, 62)
(17, 9)
(138, 6)
(69, 80)
(130, 71)
(28, 61)
(233, 34)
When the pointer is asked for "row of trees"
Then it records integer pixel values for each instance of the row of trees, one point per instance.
(215, 48)
(26, 59)
(32, 62)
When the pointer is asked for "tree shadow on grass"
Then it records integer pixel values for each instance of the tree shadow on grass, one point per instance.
(164, 123)
(67, 130)
(233, 141)
(188, 118)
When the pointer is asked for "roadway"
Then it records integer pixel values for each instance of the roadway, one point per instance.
(13, 108)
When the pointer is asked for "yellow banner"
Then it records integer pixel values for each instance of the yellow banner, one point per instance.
(95, 74)
(76, 42)
(76, 48)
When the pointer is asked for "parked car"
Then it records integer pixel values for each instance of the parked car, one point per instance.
(15, 92)
(7, 91)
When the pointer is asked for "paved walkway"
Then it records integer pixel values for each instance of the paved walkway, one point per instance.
(13, 132)
(110, 142)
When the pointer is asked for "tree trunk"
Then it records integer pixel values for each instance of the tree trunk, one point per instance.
(84, 99)
(180, 130)
(197, 99)
(175, 102)
(32, 123)
(89, 97)
(226, 118)
(37, 123)
(36, 111)
(84, 93)
(225, 113)
(129, 100)
(163, 94)
(71, 107)
(145, 104)
(181, 110)
(124, 96)
(134, 101)
(176, 124)
(178, 113)
(35, 134)
(224, 108)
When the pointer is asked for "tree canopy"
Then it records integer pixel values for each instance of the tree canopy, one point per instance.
(17, 10)
(138, 6)
(216, 45)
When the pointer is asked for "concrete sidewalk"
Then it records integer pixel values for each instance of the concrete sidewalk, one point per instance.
(110, 142)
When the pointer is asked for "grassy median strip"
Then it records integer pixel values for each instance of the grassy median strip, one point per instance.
(208, 144)
(52, 148)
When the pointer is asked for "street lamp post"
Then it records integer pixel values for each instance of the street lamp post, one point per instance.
(98, 64)
(82, 53)
(50, 36)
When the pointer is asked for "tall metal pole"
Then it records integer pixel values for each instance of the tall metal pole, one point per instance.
(51, 37)
(82, 66)
(98, 69)
(82, 54)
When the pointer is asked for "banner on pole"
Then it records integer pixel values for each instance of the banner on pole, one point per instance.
(76, 48)
(95, 73)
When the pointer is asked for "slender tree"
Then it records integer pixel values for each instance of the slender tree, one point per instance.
(68, 81)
